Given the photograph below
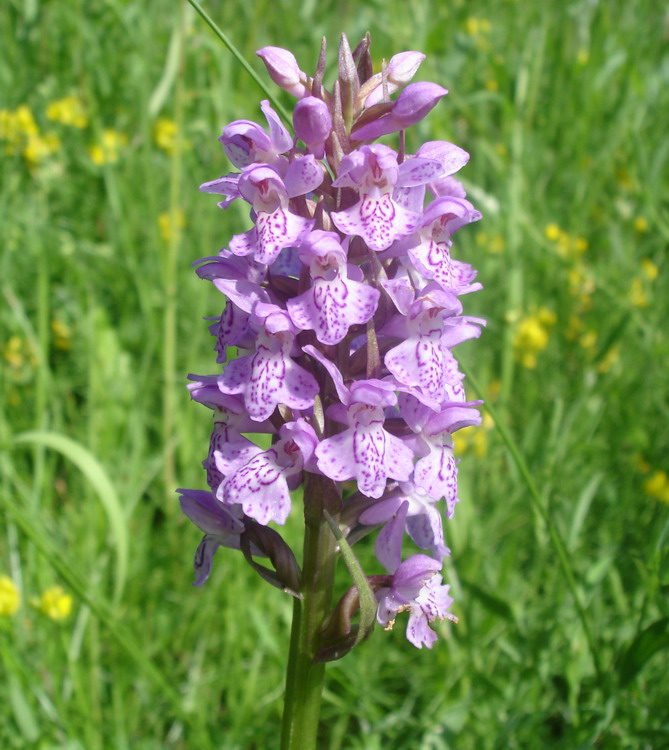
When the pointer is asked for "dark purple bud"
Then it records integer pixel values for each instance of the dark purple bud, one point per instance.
(313, 124)
(412, 105)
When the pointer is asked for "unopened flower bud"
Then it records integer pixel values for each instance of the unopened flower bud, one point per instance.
(412, 105)
(313, 124)
(283, 70)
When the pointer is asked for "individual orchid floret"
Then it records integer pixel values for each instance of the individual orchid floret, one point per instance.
(408, 508)
(412, 105)
(423, 360)
(245, 142)
(399, 71)
(452, 158)
(262, 485)
(376, 217)
(432, 257)
(221, 527)
(313, 124)
(435, 472)
(416, 588)
(269, 376)
(284, 71)
(276, 226)
(365, 451)
(334, 302)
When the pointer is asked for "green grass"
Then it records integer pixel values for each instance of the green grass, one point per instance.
(562, 108)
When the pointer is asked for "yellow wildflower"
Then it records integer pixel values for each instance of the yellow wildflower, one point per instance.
(62, 335)
(68, 111)
(170, 223)
(657, 486)
(494, 243)
(552, 232)
(165, 134)
(55, 603)
(588, 341)
(649, 268)
(10, 597)
(107, 150)
(39, 147)
(16, 126)
(582, 57)
(641, 224)
(637, 294)
(531, 337)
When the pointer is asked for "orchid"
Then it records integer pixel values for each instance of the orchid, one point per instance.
(343, 302)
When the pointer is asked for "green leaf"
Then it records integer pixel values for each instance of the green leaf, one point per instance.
(23, 713)
(646, 644)
(93, 470)
(367, 617)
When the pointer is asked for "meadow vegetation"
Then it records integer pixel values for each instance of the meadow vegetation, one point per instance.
(109, 115)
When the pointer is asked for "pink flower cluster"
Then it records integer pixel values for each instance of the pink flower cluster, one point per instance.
(343, 303)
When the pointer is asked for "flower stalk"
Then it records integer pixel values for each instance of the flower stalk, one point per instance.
(342, 301)
(304, 676)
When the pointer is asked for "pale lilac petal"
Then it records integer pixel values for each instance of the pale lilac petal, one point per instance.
(336, 457)
(426, 530)
(267, 379)
(388, 545)
(437, 475)
(330, 307)
(304, 175)
(452, 157)
(260, 488)
(379, 221)
(229, 449)
(418, 171)
(432, 603)
(276, 231)
(280, 136)
(419, 362)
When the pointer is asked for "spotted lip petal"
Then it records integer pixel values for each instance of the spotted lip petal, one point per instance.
(379, 221)
(331, 306)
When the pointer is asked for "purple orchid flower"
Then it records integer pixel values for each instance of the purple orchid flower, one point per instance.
(416, 588)
(269, 376)
(276, 226)
(261, 485)
(377, 217)
(343, 307)
(334, 302)
(246, 143)
(221, 526)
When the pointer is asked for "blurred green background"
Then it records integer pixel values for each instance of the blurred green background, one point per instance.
(109, 114)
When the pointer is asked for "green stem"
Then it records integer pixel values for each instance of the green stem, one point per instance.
(304, 679)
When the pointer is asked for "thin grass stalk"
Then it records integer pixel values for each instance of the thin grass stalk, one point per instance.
(242, 61)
